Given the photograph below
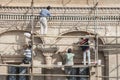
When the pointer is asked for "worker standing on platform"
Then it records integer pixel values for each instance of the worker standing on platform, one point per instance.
(69, 61)
(27, 53)
(84, 44)
(69, 57)
(44, 13)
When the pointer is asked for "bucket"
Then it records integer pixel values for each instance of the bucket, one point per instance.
(99, 62)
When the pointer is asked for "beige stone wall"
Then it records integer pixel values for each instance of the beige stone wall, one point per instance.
(114, 65)
(18, 37)
(3, 71)
(74, 3)
(3, 77)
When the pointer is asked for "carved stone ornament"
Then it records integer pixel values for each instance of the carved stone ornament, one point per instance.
(50, 49)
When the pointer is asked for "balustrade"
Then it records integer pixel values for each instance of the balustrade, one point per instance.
(61, 18)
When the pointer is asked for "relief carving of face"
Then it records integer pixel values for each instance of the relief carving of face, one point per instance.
(48, 60)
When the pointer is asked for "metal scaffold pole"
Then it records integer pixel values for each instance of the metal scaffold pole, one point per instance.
(32, 37)
(96, 35)
(117, 54)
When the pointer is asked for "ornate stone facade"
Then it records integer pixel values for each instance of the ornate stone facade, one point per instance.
(69, 18)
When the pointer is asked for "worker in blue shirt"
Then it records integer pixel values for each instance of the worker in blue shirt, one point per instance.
(43, 20)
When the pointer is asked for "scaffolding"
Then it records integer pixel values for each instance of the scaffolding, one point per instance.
(95, 18)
